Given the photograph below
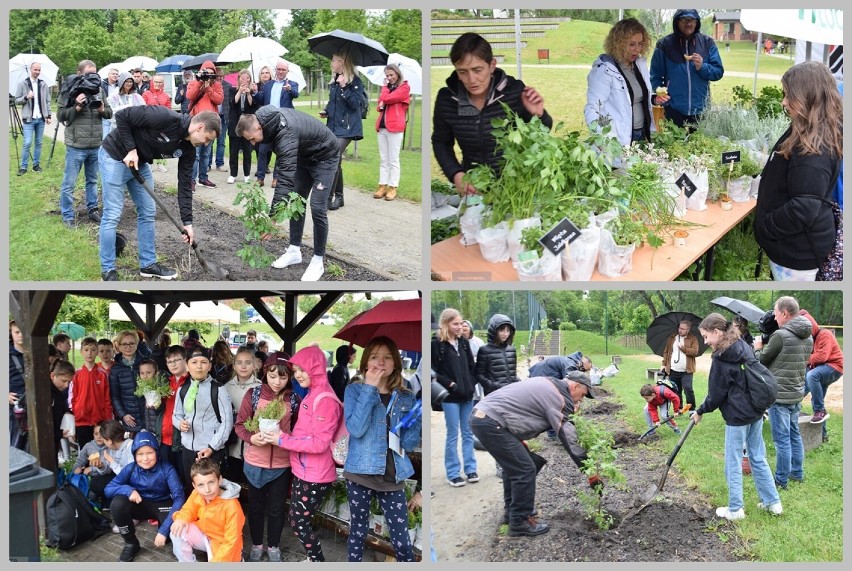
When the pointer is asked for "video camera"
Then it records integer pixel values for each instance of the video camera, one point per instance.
(767, 325)
(205, 74)
(88, 84)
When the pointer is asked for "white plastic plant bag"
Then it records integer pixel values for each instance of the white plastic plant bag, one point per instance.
(739, 188)
(493, 243)
(614, 260)
(580, 256)
(470, 223)
(547, 268)
(755, 187)
(516, 229)
(698, 199)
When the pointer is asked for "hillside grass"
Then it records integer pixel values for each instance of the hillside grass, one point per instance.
(811, 528)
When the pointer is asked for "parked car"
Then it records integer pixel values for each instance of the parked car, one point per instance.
(326, 319)
(255, 319)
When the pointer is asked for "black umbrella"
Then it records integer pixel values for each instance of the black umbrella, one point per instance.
(197, 61)
(362, 50)
(664, 325)
(745, 309)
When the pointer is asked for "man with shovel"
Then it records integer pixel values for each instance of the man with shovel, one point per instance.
(520, 411)
(143, 134)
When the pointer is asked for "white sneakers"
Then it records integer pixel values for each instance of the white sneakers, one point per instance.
(247, 179)
(231, 180)
(315, 270)
(774, 509)
(292, 256)
(726, 513)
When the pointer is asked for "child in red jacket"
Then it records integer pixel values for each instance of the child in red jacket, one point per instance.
(656, 397)
(89, 394)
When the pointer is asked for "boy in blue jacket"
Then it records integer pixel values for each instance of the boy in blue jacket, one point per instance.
(146, 489)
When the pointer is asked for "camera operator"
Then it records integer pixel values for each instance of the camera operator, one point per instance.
(81, 112)
(204, 94)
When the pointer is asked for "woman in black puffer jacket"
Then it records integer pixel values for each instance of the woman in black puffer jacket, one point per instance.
(793, 222)
(497, 361)
(129, 409)
(464, 109)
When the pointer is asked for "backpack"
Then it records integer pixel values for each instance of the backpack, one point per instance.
(340, 441)
(663, 384)
(71, 520)
(760, 384)
(214, 396)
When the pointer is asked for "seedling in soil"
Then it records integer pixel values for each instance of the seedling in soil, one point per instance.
(258, 222)
(504, 529)
(334, 270)
(601, 457)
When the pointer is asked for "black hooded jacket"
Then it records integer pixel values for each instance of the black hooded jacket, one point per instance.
(455, 119)
(339, 376)
(497, 363)
(726, 389)
(453, 366)
(297, 139)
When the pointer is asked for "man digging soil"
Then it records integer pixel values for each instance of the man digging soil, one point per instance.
(141, 135)
(504, 418)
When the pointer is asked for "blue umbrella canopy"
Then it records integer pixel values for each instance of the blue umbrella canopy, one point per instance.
(172, 64)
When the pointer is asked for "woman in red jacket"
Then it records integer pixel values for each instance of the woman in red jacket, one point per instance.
(393, 107)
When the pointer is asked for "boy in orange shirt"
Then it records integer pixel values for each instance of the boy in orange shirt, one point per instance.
(211, 519)
(89, 394)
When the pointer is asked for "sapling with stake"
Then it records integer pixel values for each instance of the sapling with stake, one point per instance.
(600, 461)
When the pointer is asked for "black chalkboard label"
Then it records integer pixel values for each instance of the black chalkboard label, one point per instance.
(730, 157)
(686, 185)
(563, 233)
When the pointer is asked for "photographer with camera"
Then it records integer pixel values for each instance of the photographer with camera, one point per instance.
(35, 113)
(141, 135)
(204, 94)
(82, 107)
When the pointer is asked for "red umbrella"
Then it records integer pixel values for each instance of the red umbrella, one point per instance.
(398, 319)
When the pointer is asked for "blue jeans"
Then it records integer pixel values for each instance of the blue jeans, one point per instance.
(789, 450)
(202, 160)
(817, 381)
(75, 159)
(106, 126)
(33, 129)
(220, 142)
(116, 177)
(457, 416)
(749, 437)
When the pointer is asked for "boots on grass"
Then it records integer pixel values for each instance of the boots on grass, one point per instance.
(391, 193)
(380, 193)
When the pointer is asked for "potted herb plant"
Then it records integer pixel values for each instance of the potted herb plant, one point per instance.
(268, 417)
(618, 242)
(740, 176)
(153, 390)
(535, 263)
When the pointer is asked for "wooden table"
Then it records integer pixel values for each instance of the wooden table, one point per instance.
(453, 262)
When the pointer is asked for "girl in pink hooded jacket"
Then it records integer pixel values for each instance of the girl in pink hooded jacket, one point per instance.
(320, 413)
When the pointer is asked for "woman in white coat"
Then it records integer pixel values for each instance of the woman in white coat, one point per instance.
(619, 93)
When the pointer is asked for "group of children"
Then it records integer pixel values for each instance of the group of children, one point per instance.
(172, 472)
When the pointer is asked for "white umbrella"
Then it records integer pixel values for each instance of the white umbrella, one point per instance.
(251, 47)
(411, 72)
(295, 73)
(142, 62)
(120, 66)
(19, 70)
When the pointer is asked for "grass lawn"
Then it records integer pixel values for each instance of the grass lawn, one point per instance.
(811, 528)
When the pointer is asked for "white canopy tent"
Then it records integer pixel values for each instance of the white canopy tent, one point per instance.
(806, 26)
(199, 311)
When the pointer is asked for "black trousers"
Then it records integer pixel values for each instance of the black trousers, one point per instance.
(235, 145)
(683, 383)
(337, 187)
(188, 458)
(123, 512)
(519, 471)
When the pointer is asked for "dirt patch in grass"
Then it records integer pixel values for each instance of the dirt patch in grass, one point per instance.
(678, 525)
(219, 236)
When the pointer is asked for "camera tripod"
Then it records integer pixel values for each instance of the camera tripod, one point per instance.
(17, 127)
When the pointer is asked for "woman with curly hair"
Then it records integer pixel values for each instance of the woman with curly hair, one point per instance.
(794, 222)
(619, 92)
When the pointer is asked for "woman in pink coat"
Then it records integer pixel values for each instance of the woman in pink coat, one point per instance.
(320, 413)
(390, 125)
